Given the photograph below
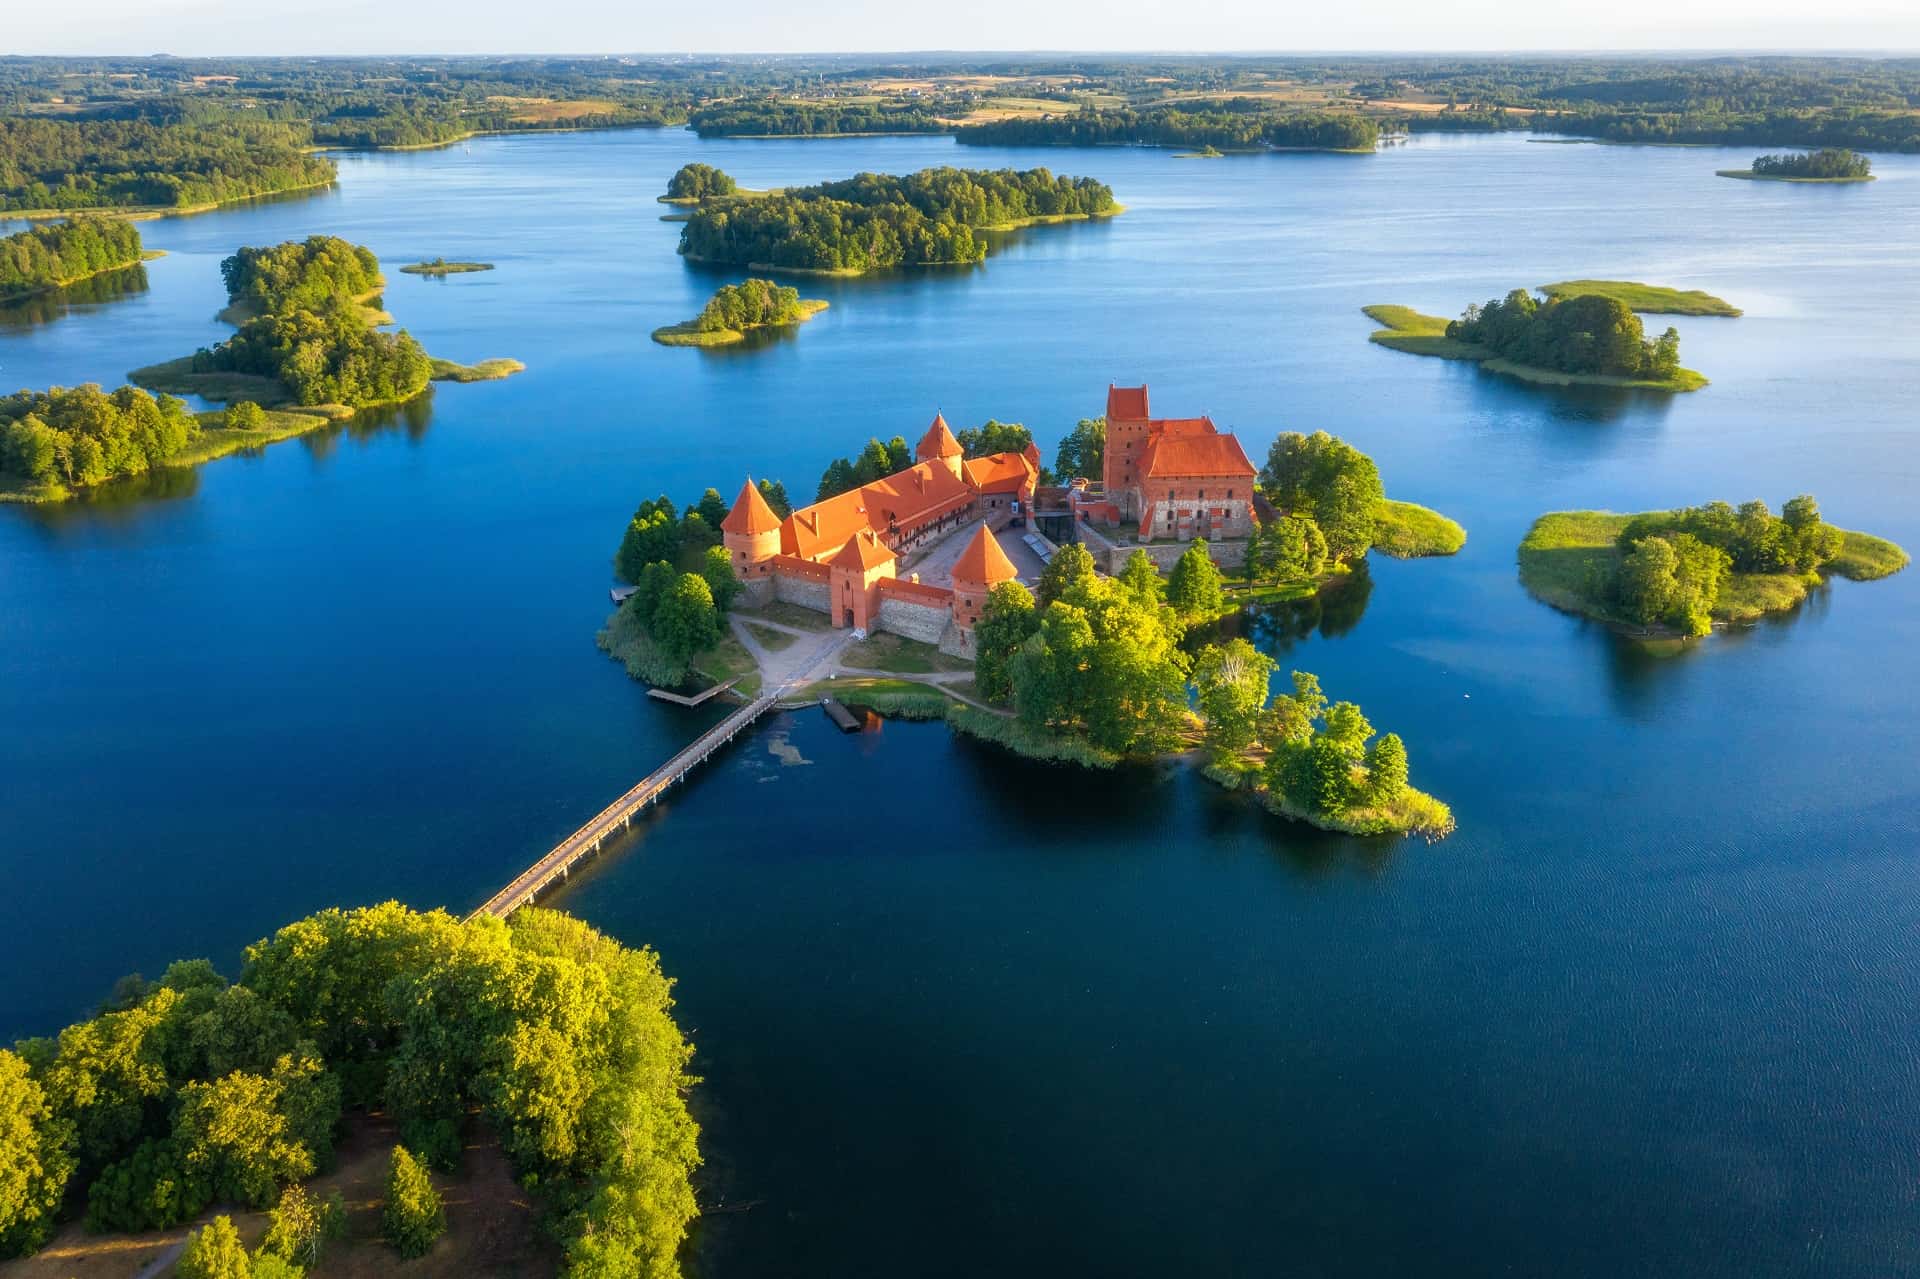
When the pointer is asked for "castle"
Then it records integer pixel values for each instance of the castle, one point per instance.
(1166, 479)
(840, 556)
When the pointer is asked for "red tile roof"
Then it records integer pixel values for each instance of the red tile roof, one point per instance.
(750, 513)
(983, 563)
(907, 499)
(1126, 403)
(918, 592)
(863, 551)
(937, 442)
(1000, 472)
(1183, 454)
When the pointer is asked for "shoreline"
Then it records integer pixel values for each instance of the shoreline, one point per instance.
(1411, 333)
(1748, 175)
(684, 334)
(154, 212)
(146, 255)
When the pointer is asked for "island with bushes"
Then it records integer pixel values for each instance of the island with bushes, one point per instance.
(1829, 164)
(878, 221)
(736, 310)
(1645, 299)
(1584, 340)
(535, 1041)
(440, 266)
(53, 256)
(1678, 573)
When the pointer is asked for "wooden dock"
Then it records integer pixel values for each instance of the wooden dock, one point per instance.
(681, 699)
(619, 815)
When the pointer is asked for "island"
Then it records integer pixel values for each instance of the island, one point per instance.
(43, 258)
(880, 221)
(300, 1110)
(1584, 340)
(905, 590)
(440, 266)
(1829, 164)
(736, 310)
(1183, 126)
(1678, 573)
(1645, 299)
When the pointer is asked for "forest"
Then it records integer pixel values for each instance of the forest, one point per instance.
(115, 164)
(1672, 563)
(823, 119)
(300, 275)
(1826, 164)
(874, 221)
(48, 256)
(1586, 335)
(698, 181)
(749, 304)
(327, 356)
(1242, 124)
(82, 435)
(191, 1090)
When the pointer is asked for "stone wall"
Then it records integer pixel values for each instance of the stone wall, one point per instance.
(956, 642)
(757, 591)
(801, 591)
(915, 621)
(1164, 554)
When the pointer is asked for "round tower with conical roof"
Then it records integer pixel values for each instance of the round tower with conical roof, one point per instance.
(751, 534)
(938, 445)
(980, 568)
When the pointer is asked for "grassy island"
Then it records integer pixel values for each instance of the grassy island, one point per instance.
(736, 310)
(483, 371)
(1405, 531)
(440, 266)
(1669, 573)
(1645, 299)
(874, 221)
(193, 1096)
(1588, 340)
(1203, 153)
(1829, 164)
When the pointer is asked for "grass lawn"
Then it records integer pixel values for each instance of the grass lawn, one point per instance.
(787, 615)
(883, 652)
(1406, 530)
(218, 441)
(176, 377)
(771, 640)
(1568, 556)
(727, 660)
(1647, 299)
(1416, 334)
(484, 371)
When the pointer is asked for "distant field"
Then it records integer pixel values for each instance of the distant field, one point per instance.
(547, 110)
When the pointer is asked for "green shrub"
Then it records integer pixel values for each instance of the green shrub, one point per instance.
(412, 1215)
(214, 1252)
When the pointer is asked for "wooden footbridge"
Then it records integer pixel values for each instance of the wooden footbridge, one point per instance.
(619, 815)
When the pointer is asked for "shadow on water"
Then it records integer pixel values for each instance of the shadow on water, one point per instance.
(1640, 670)
(44, 308)
(1276, 629)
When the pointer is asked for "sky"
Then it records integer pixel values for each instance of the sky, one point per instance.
(208, 27)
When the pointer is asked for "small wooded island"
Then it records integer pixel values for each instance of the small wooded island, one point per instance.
(1679, 572)
(876, 221)
(1587, 339)
(440, 266)
(43, 258)
(1829, 164)
(736, 310)
(1070, 662)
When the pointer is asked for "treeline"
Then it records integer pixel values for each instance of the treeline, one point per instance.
(1241, 125)
(1585, 334)
(83, 435)
(300, 274)
(877, 460)
(876, 220)
(749, 304)
(104, 164)
(1672, 564)
(1325, 494)
(698, 181)
(45, 257)
(191, 1090)
(810, 119)
(1828, 162)
(379, 121)
(1867, 130)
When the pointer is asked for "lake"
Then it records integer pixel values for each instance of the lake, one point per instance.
(1651, 1011)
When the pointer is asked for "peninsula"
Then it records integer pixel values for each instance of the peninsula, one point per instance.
(1829, 164)
(43, 258)
(735, 310)
(1582, 340)
(1678, 573)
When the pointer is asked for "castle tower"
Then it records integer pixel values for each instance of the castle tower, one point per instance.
(938, 445)
(852, 573)
(1127, 415)
(980, 568)
(751, 534)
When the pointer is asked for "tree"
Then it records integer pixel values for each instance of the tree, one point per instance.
(412, 1215)
(1346, 515)
(1082, 453)
(699, 182)
(1071, 567)
(711, 508)
(1232, 681)
(994, 437)
(300, 1225)
(656, 580)
(654, 533)
(1193, 588)
(1287, 549)
(244, 416)
(1140, 578)
(1328, 480)
(214, 1252)
(686, 622)
(775, 494)
(1348, 730)
(34, 1163)
(1386, 770)
(1006, 622)
(716, 569)
(838, 478)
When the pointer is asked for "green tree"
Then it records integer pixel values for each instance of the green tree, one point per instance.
(1141, 579)
(711, 508)
(300, 1226)
(655, 582)
(1070, 568)
(699, 182)
(838, 478)
(1007, 620)
(716, 569)
(1194, 586)
(1346, 516)
(1287, 549)
(654, 533)
(214, 1252)
(1386, 770)
(1082, 453)
(686, 622)
(412, 1215)
(994, 437)
(1232, 681)
(244, 416)
(1348, 730)
(34, 1163)
(775, 494)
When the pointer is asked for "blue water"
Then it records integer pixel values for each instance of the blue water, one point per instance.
(1651, 1010)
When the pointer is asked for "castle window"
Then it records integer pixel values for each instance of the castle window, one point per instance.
(1203, 495)
(1229, 495)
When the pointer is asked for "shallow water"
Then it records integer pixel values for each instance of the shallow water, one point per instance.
(1650, 1011)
